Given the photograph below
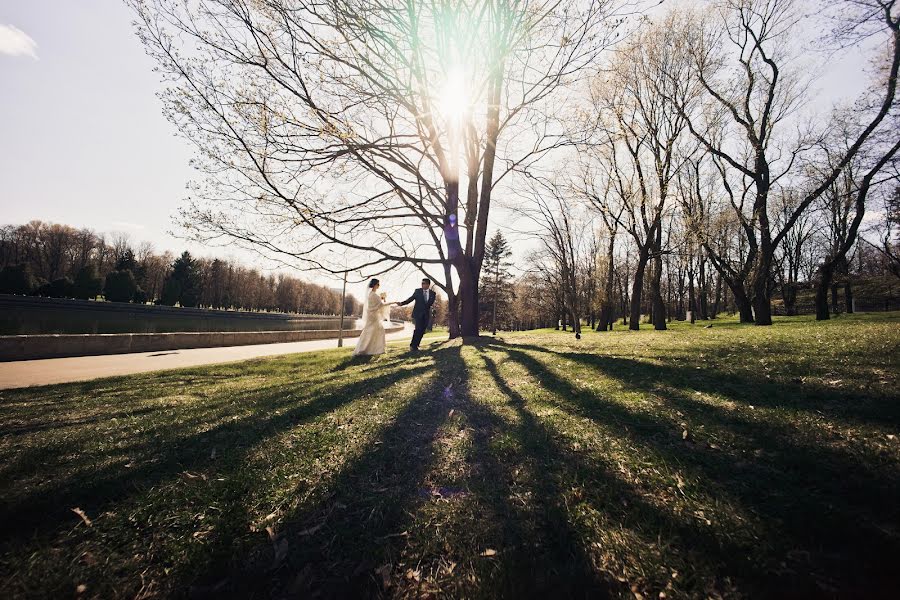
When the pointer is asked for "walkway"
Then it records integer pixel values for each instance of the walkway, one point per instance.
(25, 373)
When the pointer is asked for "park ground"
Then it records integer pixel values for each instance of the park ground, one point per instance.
(730, 461)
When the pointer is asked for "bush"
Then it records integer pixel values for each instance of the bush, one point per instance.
(140, 296)
(120, 286)
(171, 292)
(17, 279)
(88, 284)
(61, 288)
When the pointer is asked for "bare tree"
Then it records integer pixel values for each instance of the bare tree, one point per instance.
(381, 128)
(639, 145)
(844, 206)
(752, 92)
(560, 228)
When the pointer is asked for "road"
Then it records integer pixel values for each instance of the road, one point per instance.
(25, 373)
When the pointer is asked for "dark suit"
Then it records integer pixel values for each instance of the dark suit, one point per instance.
(421, 313)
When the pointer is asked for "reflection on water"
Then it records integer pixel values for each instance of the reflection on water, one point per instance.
(139, 319)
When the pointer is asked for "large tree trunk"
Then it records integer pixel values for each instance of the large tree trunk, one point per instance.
(452, 314)
(659, 305)
(468, 295)
(762, 306)
(741, 301)
(637, 288)
(826, 274)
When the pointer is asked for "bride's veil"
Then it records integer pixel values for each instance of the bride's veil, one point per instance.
(365, 313)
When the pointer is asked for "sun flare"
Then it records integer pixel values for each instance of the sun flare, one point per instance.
(453, 102)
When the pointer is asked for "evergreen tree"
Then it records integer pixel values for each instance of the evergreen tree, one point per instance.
(183, 284)
(60, 288)
(171, 292)
(120, 286)
(496, 292)
(17, 279)
(126, 262)
(88, 284)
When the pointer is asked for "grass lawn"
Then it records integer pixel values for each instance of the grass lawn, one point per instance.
(731, 461)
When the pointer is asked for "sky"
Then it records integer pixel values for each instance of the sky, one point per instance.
(83, 140)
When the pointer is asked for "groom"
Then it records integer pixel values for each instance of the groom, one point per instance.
(421, 313)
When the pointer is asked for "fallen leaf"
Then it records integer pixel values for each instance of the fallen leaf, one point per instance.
(83, 516)
(81, 588)
(414, 575)
(489, 552)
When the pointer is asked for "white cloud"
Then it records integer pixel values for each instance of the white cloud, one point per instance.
(15, 42)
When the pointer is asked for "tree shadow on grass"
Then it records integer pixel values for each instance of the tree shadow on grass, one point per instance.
(354, 523)
(169, 449)
(827, 514)
(847, 405)
(378, 521)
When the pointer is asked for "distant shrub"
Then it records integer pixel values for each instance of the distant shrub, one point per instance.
(120, 286)
(17, 279)
(61, 288)
(88, 284)
(171, 292)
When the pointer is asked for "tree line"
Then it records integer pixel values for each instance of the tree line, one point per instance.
(684, 149)
(701, 178)
(60, 261)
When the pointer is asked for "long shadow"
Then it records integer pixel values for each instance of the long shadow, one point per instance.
(544, 556)
(541, 554)
(848, 405)
(816, 502)
(618, 499)
(176, 450)
(366, 518)
(356, 523)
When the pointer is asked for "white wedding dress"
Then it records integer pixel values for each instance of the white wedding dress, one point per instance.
(371, 340)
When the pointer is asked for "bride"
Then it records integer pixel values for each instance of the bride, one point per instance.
(375, 311)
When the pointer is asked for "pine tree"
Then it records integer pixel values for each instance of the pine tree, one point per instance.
(88, 284)
(120, 286)
(183, 283)
(496, 281)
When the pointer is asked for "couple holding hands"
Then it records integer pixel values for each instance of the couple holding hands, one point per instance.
(376, 310)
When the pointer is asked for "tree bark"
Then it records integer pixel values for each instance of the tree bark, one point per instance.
(659, 305)
(826, 274)
(741, 302)
(637, 288)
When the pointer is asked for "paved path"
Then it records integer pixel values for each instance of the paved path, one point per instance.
(24, 373)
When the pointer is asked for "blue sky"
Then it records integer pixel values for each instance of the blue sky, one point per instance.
(84, 139)
(82, 136)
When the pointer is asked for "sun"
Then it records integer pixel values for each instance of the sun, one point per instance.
(453, 101)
